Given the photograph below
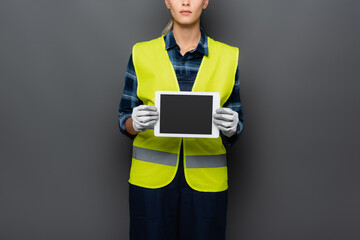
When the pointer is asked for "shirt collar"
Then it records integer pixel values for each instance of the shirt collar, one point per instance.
(202, 46)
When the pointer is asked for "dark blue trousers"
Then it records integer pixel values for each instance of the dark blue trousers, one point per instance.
(177, 212)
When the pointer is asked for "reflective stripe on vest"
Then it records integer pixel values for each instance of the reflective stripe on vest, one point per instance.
(206, 161)
(170, 159)
(154, 156)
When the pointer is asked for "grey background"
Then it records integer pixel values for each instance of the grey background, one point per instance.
(64, 164)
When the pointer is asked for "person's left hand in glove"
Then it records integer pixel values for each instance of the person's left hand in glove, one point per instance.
(226, 120)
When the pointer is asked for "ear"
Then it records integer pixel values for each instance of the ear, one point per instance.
(167, 3)
(205, 4)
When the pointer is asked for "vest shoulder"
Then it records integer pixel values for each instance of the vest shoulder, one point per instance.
(149, 43)
(223, 49)
(223, 45)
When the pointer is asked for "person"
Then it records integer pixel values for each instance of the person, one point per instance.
(178, 186)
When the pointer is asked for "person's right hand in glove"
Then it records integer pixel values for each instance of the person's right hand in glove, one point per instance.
(144, 117)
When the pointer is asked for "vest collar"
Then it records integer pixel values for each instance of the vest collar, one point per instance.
(202, 46)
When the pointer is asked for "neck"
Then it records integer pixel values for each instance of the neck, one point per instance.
(187, 36)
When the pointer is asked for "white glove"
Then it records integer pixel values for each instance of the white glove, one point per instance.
(144, 117)
(226, 120)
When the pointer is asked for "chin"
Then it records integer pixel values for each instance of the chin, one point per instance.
(185, 23)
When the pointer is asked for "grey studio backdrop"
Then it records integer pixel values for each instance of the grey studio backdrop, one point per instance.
(64, 165)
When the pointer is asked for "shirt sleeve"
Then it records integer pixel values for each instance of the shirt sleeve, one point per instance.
(234, 103)
(129, 98)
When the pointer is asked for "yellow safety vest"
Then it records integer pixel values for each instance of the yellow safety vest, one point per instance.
(155, 159)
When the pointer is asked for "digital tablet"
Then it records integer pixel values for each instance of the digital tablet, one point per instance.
(186, 114)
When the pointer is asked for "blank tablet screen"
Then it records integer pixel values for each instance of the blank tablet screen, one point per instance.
(186, 114)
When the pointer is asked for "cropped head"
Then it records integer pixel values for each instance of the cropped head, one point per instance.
(184, 12)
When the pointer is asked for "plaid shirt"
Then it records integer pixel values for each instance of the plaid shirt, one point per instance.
(186, 68)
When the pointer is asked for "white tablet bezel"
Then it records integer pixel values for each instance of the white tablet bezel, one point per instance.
(216, 105)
